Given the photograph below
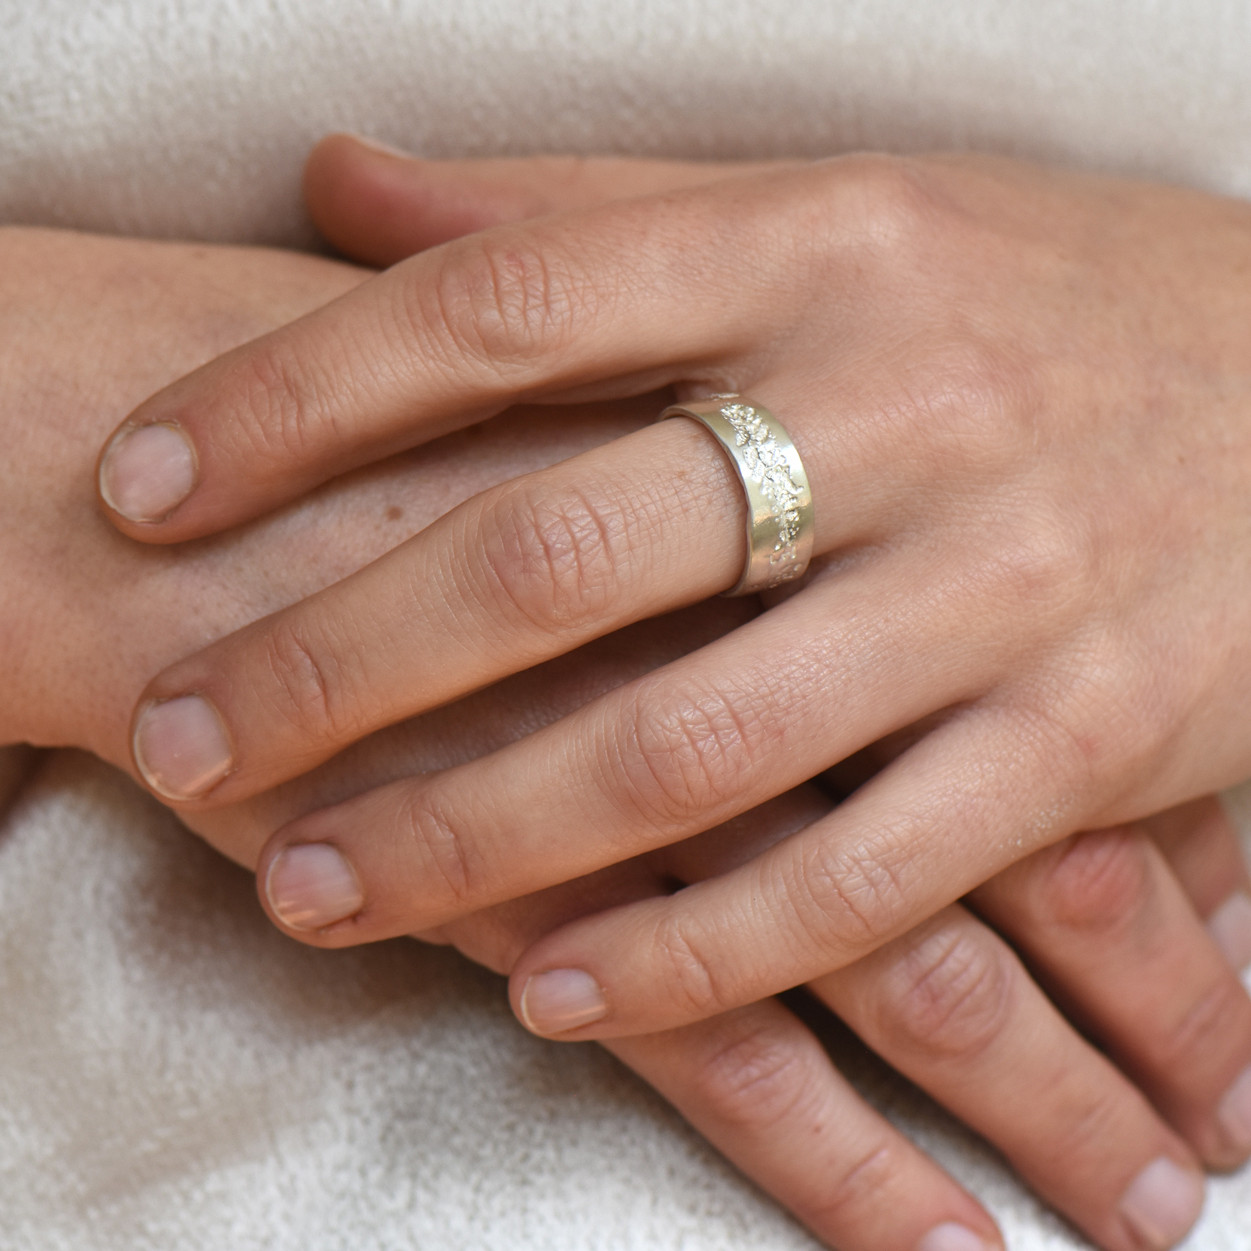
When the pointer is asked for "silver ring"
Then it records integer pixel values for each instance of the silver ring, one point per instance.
(779, 499)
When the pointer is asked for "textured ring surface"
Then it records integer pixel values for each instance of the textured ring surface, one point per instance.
(779, 499)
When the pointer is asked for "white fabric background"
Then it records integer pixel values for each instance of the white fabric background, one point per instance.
(190, 117)
(173, 1074)
(177, 1076)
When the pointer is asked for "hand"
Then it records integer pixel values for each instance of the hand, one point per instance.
(83, 615)
(1022, 399)
(95, 612)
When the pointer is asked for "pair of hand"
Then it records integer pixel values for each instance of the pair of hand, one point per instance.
(927, 997)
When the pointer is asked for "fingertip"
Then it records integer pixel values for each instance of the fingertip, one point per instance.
(953, 1236)
(350, 143)
(348, 186)
(1233, 1114)
(1230, 928)
(324, 159)
(379, 204)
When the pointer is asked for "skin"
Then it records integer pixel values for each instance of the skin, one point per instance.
(1026, 389)
(96, 611)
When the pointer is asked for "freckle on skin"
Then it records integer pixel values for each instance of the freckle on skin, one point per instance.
(394, 513)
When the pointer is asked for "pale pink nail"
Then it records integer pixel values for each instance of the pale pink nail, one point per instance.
(181, 747)
(1230, 927)
(560, 1000)
(952, 1237)
(147, 472)
(1163, 1202)
(377, 145)
(1234, 1113)
(312, 885)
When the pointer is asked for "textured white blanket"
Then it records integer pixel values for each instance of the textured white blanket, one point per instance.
(173, 1074)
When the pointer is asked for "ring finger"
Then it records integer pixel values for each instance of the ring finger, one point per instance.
(657, 760)
(522, 572)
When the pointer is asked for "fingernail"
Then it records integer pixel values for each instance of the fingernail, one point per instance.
(1230, 927)
(560, 1000)
(376, 145)
(181, 747)
(952, 1237)
(312, 885)
(147, 472)
(1163, 1202)
(1233, 1113)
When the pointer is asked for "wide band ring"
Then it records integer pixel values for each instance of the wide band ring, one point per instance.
(779, 500)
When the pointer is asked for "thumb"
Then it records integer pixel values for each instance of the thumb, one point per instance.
(378, 205)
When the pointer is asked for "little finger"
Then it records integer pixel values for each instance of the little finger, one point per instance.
(754, 1081)
(1205, 853)
(978, 793)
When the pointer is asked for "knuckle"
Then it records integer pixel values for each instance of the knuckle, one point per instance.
(278, 401)
(969, 404)
(1042, 562)
(501, 300)
(444, 852)
(950, 993)
(690, 755)
(859, 1185)
(309, 684)
(1099, 883)
(1215, 1017)
(1089, 1123)
(859, 893)
(1131, 706)
(552, 559)
(691, 977)
(760, 1078)
(1107, 716)
(891, 203)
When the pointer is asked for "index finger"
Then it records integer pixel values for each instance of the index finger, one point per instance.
(620, 295)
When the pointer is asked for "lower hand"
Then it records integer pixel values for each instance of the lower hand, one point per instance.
(1108, 924)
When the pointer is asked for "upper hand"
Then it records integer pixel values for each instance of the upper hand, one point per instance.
(1023, 400)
